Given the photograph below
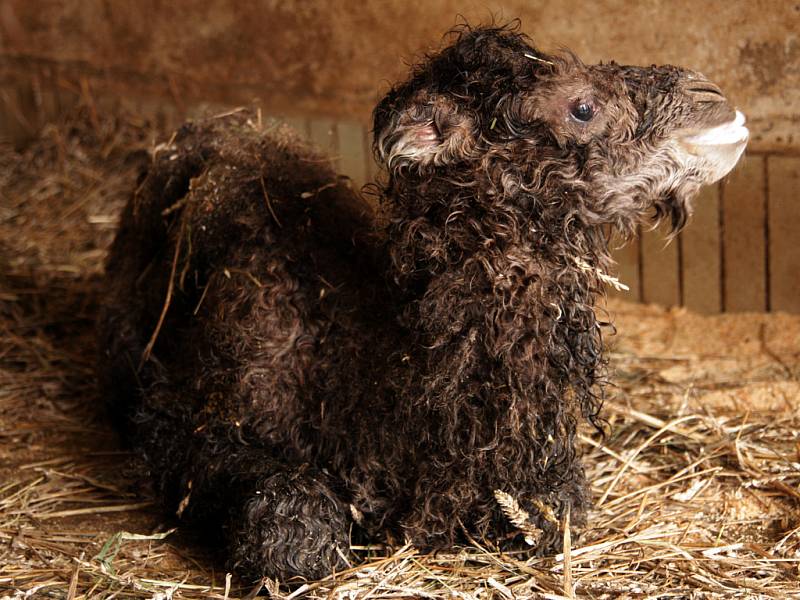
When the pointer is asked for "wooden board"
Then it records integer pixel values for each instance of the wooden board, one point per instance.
(17, 113)
(373, 168)
(324, 136)
(660, 267)
(701, 281)
(627, 270)
(744, 274)
(299, 124)
(784, 232)
(352, 152)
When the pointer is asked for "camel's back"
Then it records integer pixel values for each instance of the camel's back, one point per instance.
(243, 270)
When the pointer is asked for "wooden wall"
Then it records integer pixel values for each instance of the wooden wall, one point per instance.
(740, 252)
(326, 64)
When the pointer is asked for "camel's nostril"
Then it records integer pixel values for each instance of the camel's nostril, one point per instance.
(705, 91)
(706, 87)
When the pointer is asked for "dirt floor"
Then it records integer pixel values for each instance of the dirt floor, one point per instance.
(697, 484)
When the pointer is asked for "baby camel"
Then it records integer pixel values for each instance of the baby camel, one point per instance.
(296, 369)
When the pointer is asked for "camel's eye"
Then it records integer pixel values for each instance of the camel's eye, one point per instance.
(582, 111)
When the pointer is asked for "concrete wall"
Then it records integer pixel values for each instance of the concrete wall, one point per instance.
(335, 58)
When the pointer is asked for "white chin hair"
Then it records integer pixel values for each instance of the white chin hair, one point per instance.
(717, 150)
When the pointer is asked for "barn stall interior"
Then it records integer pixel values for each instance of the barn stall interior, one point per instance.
(696, 483)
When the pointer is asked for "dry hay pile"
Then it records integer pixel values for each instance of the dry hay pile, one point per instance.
(697, 484)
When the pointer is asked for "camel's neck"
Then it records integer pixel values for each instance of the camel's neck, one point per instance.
(498, 301)
(485, 239)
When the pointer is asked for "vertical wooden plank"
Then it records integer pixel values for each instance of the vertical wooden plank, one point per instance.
(27, 106)
(299, 124)
(49, 109)
(744, 244)
(700, 252)
(6, 120)
(660, 279)
(352, 156)
(67, 93)
(323, 135)
(627, 271)
(783, 173)
(15, 100)
(373, 169)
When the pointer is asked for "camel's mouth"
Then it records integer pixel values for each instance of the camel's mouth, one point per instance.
(732, 132)
(716, 150)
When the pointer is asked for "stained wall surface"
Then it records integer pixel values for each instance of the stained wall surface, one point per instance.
(323, 65)
(334, 58)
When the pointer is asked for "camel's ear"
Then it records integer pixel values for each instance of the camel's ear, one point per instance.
(427, 131)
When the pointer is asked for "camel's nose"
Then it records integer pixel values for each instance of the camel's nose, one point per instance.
(707, 104)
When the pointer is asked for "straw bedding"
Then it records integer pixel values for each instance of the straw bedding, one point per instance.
(697, 484)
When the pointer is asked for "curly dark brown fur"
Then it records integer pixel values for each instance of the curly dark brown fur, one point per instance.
(316, 364)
